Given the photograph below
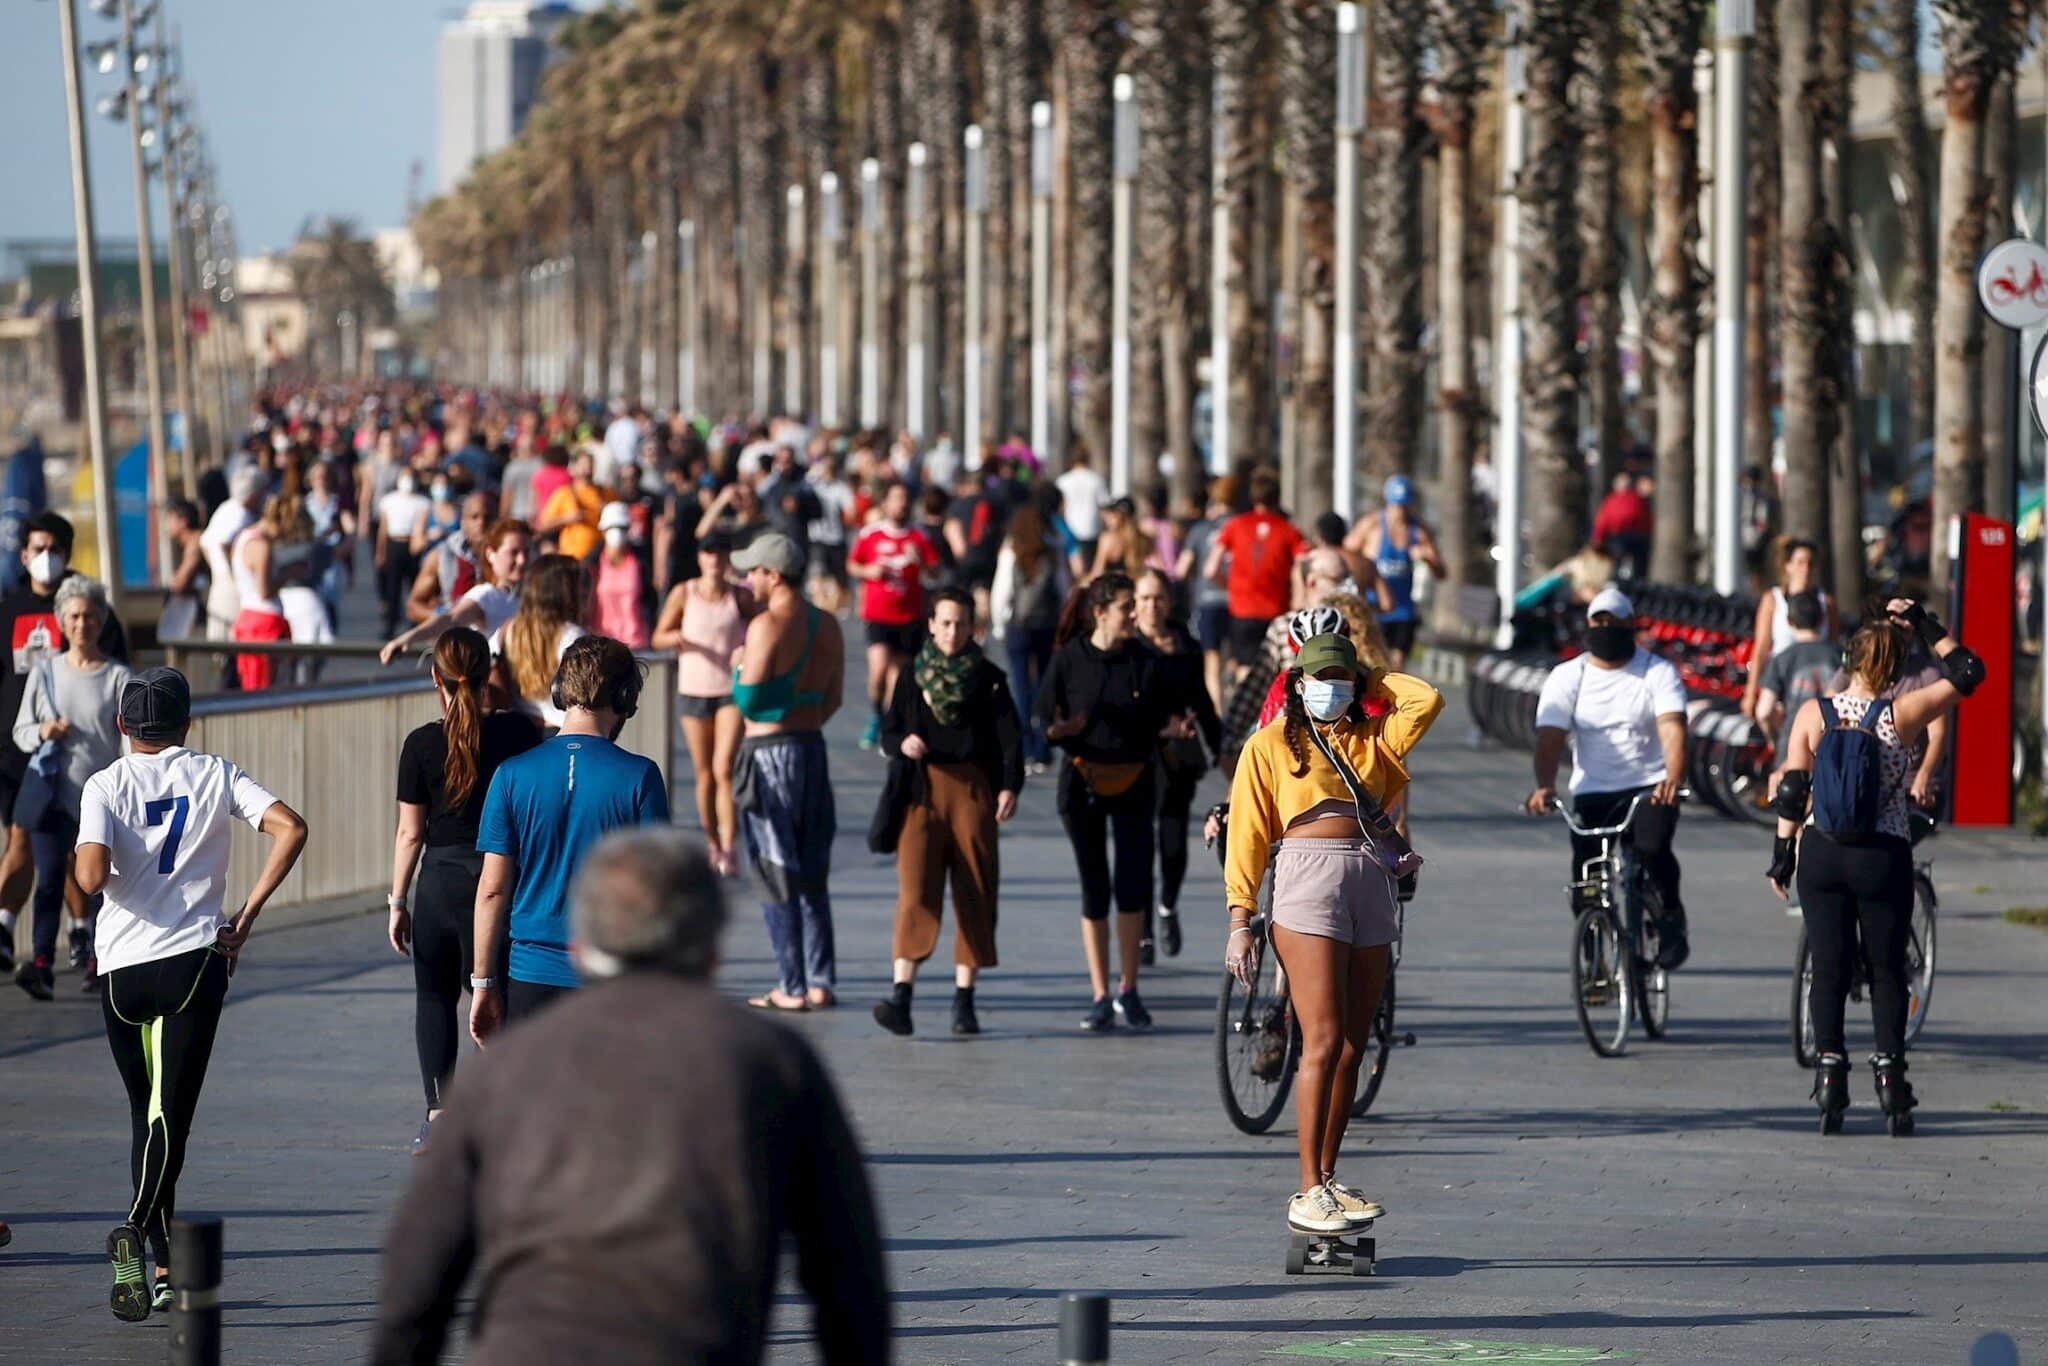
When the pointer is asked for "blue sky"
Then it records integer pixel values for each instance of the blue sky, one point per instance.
(310, 106)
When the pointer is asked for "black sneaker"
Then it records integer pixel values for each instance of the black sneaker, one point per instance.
(1147, 955)
(1132, 1010)
(129, 1299)
(1169, 931)
(160, 1294)
(893, 1017)
(7, 949)
(38, 982)
(90, 982)
(1101, 1017)
(81, 945)
(964, 1020)
(419, 1140)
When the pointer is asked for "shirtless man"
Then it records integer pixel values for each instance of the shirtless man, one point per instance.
(792, 670)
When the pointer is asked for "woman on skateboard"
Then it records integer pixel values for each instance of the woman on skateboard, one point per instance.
(1311, 792)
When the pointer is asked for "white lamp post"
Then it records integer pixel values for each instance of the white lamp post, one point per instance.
(916, 367)
(1344, 338)
(1124, 169)
(1735, 25)
(975, 167)
(870, 293)
(1041, 278)
(831, 231)
(1507, 378)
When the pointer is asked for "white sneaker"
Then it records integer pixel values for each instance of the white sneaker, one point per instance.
(1316, 1211)
(1352, 1203)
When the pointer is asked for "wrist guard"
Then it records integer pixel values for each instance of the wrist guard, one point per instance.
(1793, 790)
(1924, 624)
(1784, 860)
(1963, 668)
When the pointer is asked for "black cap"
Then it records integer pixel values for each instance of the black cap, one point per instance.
(156, 705)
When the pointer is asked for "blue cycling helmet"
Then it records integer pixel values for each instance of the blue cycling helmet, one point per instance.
(1398, 491)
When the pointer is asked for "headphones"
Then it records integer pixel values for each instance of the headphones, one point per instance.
(623, 697)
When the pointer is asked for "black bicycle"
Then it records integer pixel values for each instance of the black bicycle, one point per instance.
(1615, 977)
(1919, 961)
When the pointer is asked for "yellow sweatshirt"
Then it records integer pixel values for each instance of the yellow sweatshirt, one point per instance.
(1266, 796)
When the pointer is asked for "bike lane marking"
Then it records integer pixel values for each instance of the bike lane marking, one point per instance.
(1413, 1347)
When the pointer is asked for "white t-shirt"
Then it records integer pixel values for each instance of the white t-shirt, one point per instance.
(164, 820)
(1081, 493)
(1611, 715)
(547, 711)
(402, 512)
(498, 605)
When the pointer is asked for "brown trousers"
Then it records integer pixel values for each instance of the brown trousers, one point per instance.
(950, 836)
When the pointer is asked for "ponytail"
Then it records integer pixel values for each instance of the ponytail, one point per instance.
(1077, 616)
(462, 662)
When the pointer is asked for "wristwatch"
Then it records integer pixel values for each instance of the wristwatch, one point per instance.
(482, 983)
(396, 903)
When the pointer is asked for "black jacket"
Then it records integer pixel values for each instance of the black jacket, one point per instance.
(1180, 678)
(1120, 694)
(989, 738)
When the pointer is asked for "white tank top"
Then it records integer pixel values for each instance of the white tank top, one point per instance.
(1781, 621)
(250, 591)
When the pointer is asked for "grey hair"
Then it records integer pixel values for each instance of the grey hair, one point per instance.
(647, 898)
(79, 588)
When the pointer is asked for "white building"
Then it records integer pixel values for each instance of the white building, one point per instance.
(491, 63)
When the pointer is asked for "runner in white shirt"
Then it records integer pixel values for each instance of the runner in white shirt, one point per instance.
(153, 836)
(487, 606)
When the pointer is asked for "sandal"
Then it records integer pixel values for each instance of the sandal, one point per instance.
(818, 998)
(773, 999)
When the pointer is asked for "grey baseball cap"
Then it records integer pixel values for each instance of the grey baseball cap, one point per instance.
(771, 550)
(156, 704)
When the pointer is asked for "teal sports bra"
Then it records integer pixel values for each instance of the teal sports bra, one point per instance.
(773, 699)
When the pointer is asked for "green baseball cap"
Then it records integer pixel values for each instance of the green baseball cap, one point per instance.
(1325, 652)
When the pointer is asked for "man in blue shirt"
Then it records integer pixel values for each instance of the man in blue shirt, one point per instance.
(543, 810)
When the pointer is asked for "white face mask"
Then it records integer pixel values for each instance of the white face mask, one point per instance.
(405, 483)
(1327, 699)
(46, 567)
(615, 537)
(440, 493)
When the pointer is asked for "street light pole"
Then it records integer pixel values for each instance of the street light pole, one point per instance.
(1124, 171)
(916, 372)
(1041, 278)
(1344, 338)
(1735, 24)
(870, 293)
(89, 309)
(1710, 248)
(686, 231)
(974, 167)
(1507, 378)
(832, 229)
(159, 454)
(792, 341)
(181, 320)
(1219, 295)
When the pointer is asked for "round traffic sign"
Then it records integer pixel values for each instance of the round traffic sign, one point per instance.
(2012, 283)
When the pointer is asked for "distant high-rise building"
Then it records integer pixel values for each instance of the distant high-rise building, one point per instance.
(492, 59)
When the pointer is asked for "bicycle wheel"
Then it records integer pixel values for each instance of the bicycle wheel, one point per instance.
(1919, 956)
(1802, 1003)
(1257, 1046)
(1652, 984)
(1601, 985)
(1374, 1070)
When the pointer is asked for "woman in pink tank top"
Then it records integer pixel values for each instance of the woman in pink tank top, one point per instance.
(621, 588)
(705, 622)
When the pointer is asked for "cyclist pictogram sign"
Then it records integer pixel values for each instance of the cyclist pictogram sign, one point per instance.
(2012, 283)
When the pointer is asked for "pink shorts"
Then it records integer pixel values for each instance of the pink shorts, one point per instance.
(1334, 889)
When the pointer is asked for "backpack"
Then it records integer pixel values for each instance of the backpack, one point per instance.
(1036, 606)
(1848, 774)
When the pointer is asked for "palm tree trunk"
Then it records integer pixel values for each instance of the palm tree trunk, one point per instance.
(1671, 38)
(1237, 31)
(1090, 47)
(886, 124)
(1393, 262)
(1809, 377)
(1179, 330)
(1909, 162)
(1025, 81)
(1761, 300)
(998, 142)
(1593, 95)
(2000, 128)
(1162, 272)
(582, 259)
(1308, 87)
(605, 281)
(1550, 274)
(1459, 30)
(1845, 464)
(667, 269)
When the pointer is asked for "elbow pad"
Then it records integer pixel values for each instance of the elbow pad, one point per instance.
(1963, 668)
(1793, 790)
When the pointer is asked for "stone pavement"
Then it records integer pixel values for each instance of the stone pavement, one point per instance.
(1673, 1205)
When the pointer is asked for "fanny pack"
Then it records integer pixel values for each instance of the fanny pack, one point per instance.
(1389, 849)
(1109, 779)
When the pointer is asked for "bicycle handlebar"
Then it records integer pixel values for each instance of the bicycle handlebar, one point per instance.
(1602, 831)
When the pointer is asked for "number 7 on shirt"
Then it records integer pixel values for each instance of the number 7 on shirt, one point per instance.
(154, 812)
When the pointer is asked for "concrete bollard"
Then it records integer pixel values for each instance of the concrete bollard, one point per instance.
(1084, 1329)
(195, 1292)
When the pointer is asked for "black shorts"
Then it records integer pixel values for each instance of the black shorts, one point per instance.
(1247, 638)
(828, 561)
(1399, 635)
(904, 639)
(703, 708)
(1212, 625)
(10, 788)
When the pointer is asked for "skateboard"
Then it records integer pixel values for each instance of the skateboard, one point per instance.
(1350, 1252)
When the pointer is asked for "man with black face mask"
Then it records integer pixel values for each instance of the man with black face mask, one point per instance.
(1623, 709)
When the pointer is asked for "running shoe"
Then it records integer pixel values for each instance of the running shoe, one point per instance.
(81, 945)
(419, 1140)
(1101, 1017)
(1352, 1203)
(7, 949)
(37, 980)
(1169, 931)
(893, 1016)
(1148, 952)
(160, 1294)
(129, 1299)
(90, 982)
(1132, 1010)
(872, 736)
(1316, 1210)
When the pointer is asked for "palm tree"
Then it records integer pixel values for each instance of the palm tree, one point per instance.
(1845, 466)
(1670, 32)
(1811, 376)
(1089, 47)
(1914, 171)
(1594, 89)
(1760, 300)
(1396, 136)
(1165, 64)
(336, 271)
(1237, 37)
(1308, 81)
(1461, 32)
(1023, 55)
(1976, 50)
(1549, 34)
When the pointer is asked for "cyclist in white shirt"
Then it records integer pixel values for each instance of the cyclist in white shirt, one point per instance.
(1623, 709)
(153, 836)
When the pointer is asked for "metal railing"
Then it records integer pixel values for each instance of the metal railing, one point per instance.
(331, 754)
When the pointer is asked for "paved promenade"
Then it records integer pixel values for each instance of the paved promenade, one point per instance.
(1676, 1205)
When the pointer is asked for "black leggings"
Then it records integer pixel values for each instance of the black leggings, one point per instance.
(443, 937)
(1851, 889)
(1176, 796)
(1091, 823)
(161, 1019)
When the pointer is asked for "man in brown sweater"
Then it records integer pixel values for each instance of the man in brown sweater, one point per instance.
(622, 1170)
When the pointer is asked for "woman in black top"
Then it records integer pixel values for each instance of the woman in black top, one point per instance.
(952, 715)
(1177, 656)
(443, 772)
(1103, 703)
